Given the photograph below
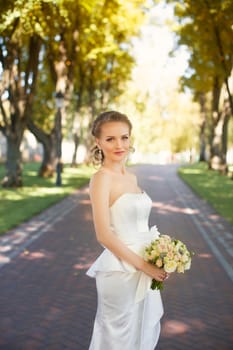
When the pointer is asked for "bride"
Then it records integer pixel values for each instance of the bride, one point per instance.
(128, 312)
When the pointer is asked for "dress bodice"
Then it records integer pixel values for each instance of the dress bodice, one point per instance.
(129, 215)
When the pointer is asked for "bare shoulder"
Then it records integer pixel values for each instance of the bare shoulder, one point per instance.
(100, 177)
(100, 181)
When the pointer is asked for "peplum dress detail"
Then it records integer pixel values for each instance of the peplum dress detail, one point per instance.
(128, 311)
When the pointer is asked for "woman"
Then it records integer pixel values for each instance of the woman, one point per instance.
(128, 313)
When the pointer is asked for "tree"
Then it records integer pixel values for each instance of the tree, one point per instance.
(205, 28)
(81, 48)
(88, 61)
(23, 25)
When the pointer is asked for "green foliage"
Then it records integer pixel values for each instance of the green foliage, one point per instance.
(38, 194)
(206, 29)
(27, 17)
(96, 36)
(23, 26)
(82, 48)
(105, 44)
(210, 185)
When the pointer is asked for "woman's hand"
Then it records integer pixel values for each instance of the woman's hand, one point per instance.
(155, 272)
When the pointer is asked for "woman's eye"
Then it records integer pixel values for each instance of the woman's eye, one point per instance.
(110, 139)
(125, 137)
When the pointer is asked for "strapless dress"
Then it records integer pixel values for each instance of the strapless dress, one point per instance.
(128, 312)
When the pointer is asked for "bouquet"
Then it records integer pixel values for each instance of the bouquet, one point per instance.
(170, 254)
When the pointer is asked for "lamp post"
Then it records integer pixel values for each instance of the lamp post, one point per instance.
(59, 99)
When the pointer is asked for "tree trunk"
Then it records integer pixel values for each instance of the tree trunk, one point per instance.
(13, 164)
(215, 119)
(228, 113)
(76, 144)
(21, 90)
(202, 155)
(219, 146)
(47, 167)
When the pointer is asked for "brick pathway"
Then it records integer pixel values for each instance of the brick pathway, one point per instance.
(48, 303)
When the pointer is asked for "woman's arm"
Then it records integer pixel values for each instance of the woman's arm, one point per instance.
(99, 193)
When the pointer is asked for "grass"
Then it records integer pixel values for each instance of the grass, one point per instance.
(210, 185)
(20, 204)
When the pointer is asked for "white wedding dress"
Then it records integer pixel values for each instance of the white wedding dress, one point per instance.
(128, 312)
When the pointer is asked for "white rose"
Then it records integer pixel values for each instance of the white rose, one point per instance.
(187, 265)
(170, 266)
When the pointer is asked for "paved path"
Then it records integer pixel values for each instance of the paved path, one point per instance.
(48, 303)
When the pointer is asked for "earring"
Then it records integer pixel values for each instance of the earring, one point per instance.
(100, 154)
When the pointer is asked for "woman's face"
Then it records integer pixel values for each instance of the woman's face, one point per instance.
(114, 140)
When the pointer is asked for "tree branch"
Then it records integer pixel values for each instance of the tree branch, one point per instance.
(35, 130)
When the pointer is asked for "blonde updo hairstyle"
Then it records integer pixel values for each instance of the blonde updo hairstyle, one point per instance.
(106, 117)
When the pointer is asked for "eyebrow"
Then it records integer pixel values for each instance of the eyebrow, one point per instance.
(121, 135)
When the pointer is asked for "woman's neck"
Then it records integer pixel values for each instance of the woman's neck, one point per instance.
(118, 168)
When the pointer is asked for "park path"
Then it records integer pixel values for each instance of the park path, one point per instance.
(48, 303)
